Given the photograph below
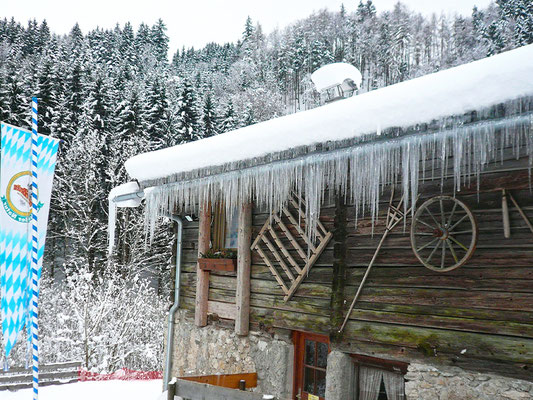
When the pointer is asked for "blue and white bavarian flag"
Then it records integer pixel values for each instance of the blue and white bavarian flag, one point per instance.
(15, 222)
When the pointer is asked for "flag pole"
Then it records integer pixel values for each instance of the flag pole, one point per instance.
(34, 252)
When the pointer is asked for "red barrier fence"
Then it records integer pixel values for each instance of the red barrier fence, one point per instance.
(123, 374)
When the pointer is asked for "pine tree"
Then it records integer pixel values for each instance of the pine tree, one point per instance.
(248, 29)
(249, 118)
(143, 37)
(188, 127)
(76, 40)
(156, 108)
(343, 11)
(16, 102)
(209, 118)
(46, 93)
(43, 36)
(159, 39)
(520, 14)
(229, 119)
(495, 37)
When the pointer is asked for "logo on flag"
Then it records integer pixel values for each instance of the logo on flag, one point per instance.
(17, 202)
(15, 218)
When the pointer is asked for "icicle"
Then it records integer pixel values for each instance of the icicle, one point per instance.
(359, 170)
(111, 221)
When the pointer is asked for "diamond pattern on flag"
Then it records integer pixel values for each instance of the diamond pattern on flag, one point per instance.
(15, 236)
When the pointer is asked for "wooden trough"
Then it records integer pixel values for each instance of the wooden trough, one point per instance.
(215, 387)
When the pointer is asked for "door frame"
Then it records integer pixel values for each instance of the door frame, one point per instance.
(299, 338)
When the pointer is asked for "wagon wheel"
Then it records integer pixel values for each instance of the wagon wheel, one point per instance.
(443, 233)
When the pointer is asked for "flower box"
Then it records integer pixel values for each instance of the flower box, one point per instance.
(218, 264)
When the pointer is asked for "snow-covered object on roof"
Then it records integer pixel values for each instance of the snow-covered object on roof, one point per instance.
(124, 189)
(455, 91)
(335, 74)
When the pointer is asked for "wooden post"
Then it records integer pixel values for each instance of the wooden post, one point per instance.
(171, 391)
(244, 262)
(339, 266)
(202, 277)
(505, 212)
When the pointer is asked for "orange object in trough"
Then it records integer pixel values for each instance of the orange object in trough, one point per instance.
(230, 381)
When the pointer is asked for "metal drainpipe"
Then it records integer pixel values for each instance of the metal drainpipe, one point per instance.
(175, 306)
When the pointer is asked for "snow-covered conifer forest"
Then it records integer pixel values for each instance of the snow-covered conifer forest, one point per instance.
(110, 94)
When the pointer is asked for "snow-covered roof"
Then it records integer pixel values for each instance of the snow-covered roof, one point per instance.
(455, 91)
(335, 74)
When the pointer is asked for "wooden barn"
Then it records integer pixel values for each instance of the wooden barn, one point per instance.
(377, 247)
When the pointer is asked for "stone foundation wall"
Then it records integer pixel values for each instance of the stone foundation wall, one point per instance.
(217, 350)
(340, 376)
(449, 383)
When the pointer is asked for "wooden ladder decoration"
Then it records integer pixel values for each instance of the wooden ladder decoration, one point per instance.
(295, 268)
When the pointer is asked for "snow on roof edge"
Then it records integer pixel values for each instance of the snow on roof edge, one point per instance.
(454, 91)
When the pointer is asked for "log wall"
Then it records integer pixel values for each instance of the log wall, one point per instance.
(479, 316)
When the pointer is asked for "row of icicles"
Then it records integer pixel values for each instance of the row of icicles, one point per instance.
(359, 172)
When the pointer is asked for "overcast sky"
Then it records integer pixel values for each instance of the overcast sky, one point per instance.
(197, 22)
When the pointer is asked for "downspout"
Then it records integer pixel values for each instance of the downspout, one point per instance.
(175, 306)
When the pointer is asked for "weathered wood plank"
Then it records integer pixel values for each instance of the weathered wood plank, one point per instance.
(447, 298)
(396, 299)
(449, 318)
(201, 391)
(425, 340)
(244, 261)
(202, 277)
(339, 269)
(436, 321)
(223, 310)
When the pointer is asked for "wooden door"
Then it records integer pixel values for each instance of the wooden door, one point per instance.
(311, 355)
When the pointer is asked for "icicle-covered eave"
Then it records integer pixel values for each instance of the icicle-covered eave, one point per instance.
(357, 169)
(473, 118)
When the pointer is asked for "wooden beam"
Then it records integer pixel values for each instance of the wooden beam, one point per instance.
(284, 250)
(272, 268)
(223, 310)
(302, 215)
(522, 213)
(244, 262)
(308, 266)
(290, 237)
(299, 229)
(338, 281)
(278, 257)
(261, 232)
(505, 214)
(202, 277)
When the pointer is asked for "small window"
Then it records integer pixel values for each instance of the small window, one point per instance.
(232, 230)
(224, 228)
(379, 379)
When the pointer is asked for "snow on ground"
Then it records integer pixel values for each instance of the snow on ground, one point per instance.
(102, 390)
